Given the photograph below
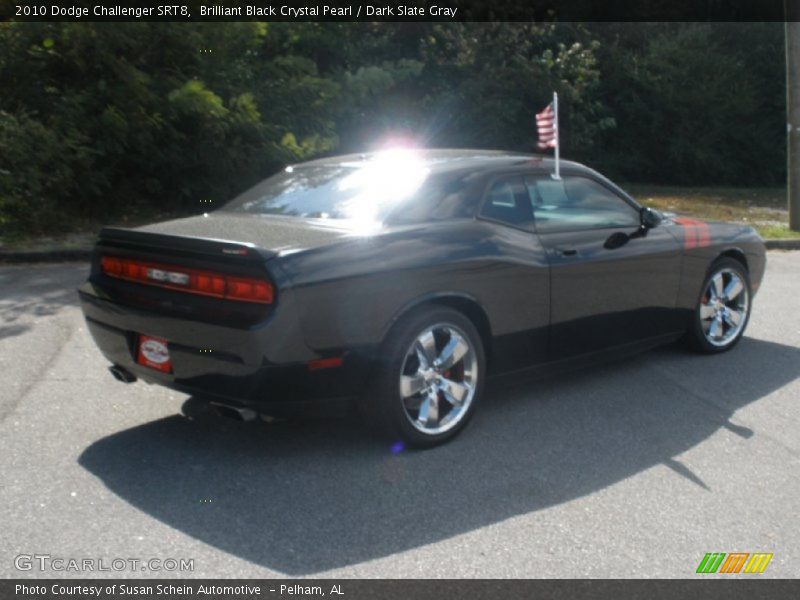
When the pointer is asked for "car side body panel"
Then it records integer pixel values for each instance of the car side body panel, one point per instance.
(354, 291)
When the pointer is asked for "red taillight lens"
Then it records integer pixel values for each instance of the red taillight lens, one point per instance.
(209, 283)
(251, 290)
(193, 281)
(111, 266)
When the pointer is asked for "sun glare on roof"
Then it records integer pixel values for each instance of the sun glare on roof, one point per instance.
(390, 176)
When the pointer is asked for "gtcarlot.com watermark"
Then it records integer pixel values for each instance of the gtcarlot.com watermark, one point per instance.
(60, 564)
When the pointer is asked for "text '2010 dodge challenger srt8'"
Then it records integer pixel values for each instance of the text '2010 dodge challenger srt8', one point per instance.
(397, 281)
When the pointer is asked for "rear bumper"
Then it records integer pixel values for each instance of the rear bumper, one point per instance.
(265, 367)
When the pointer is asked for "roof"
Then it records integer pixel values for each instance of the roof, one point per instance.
(444, 160)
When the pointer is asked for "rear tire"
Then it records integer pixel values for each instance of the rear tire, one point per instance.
(723, 308)
(428, 380)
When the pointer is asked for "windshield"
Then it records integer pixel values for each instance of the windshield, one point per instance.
(357, 191)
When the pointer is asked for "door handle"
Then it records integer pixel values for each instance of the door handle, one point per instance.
(566, 250)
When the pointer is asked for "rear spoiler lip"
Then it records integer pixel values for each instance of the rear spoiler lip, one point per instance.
(194, 244)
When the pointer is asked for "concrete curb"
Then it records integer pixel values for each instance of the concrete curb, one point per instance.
(85, 254)
(47, 256)
(786, 244)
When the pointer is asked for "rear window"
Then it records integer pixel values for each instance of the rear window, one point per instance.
(308, 192)
(401, 191)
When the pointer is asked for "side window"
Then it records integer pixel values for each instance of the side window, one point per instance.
(507, 201)
(577, 203)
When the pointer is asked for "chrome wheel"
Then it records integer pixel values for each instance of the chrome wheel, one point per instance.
(723, 307)
(438, 379)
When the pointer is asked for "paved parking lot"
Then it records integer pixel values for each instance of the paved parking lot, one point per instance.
(633, 469)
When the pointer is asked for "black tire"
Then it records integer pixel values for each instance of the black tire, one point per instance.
(696, 335)
(383, 406)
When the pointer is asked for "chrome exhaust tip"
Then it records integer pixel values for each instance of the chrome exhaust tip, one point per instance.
(122, 374)
(234, 412)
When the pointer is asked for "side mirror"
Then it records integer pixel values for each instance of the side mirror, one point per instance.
(617, 240)
(650, 217)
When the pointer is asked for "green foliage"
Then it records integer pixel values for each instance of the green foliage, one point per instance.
(195, 101)
(30, 190)
(96, 119)
(694, 103)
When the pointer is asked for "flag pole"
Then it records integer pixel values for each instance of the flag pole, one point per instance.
(558, 141)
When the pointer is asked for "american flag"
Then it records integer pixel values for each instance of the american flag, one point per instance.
(546, 123)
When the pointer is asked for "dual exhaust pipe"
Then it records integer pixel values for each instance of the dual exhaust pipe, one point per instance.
(226, 410)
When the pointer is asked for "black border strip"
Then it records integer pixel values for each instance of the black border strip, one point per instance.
(399, 11)
(732, 588)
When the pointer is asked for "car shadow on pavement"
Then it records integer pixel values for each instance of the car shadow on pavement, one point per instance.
(307, 496)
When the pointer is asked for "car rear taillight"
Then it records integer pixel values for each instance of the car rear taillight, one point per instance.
(192, 281)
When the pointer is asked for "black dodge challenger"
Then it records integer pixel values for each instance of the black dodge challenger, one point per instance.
(399, 281)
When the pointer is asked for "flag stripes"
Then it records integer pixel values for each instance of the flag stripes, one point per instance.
(546, 125)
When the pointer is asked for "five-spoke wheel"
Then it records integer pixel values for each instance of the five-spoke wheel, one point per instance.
(723, 308)
(437, 381)
(429, 379)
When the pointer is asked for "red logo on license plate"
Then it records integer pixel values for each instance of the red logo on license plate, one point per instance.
(154, 353)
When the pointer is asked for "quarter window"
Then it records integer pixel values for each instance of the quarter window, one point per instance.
(508, 202)
(577, 203)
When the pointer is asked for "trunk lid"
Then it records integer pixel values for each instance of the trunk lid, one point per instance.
(267, 235)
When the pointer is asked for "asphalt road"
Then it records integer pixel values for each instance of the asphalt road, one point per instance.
(633, 469)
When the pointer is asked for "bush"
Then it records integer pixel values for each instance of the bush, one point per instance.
(96, 119)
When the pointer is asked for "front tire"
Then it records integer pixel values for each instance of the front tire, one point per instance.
(429, 378)
(723, 309)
